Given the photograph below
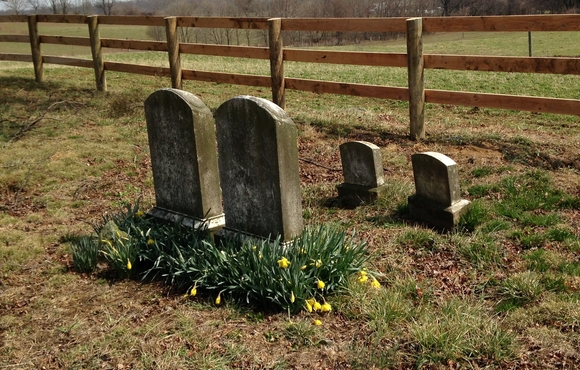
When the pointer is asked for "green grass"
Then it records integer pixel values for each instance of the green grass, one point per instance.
(546, 43)
(558, 86)
(495, 292)
(460, 331)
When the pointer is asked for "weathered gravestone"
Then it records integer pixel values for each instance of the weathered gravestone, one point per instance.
(182, 142)
(438, 199)
(258, 165)
(362, 167)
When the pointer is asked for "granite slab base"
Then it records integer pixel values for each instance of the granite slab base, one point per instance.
(227, 233)
(213, 223)
(435, 214)
(356, 195)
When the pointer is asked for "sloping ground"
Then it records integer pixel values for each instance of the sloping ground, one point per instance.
(492, 298)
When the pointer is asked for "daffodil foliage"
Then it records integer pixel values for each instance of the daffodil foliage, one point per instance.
(264, 273)
(267, 273)
(111, 244)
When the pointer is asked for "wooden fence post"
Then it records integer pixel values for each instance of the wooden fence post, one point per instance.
(415, 73)
(173, 52)
(35, 47)
(97, 51)
(277, 61)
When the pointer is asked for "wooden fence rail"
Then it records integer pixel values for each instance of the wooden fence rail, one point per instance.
(414, 60)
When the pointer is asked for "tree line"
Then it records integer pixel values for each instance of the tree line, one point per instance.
(288, 9)
(335, 9)
(295, 8)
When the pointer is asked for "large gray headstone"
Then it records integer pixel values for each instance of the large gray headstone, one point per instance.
(182, 142)
(438, 197)
(362, 167)
(258, 164)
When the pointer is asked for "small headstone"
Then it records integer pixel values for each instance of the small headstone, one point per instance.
(258, 164)
(362, 167)
(438, 199)
(182, 142)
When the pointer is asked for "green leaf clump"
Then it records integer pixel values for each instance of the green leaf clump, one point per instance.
(267, 274)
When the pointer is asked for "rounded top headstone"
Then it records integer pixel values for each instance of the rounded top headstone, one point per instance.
(362, 163)
(436, 177)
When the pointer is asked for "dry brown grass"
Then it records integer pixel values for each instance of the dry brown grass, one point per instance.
(90, 156)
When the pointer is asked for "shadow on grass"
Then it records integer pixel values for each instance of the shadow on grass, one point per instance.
(517, 149)
(357, 132)
(26, 92)
(11, 83)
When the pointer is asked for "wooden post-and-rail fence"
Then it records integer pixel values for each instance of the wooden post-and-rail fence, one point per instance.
(414, 60)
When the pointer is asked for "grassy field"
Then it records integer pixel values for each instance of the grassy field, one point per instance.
(545, 44)
(81, 30)
(501, 291)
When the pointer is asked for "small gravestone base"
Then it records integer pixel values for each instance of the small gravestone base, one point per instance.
(435, 214)
(362, 167)
(354, 195)
(233, 234)
(213, 223)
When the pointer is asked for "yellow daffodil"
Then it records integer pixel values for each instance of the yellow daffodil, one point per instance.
(139, 214)
(320, 284)
(308, 307)
(129, 265)
(254, 247)
(193, 291)
(317, 322)
(326, 307)
(283, 263)
(375, 284)
(218, 300)
(316, 306)
(318, 263)
(363, 273)
(363, 279)
(292, 298)
(303, 268)
(150, 241)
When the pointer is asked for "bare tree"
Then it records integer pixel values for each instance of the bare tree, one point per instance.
(85, 7)
(283, 8)
(127, 8)
(106, 6)
(247, 8)
(35, 5)
(541, 6)
(59, 6)
(183, 8)
(156, 33)
(511, 7)
(17, 6)
(570, 4)
(53, 5)
(64, 6)
(449, 6)
(482, 7)
(362, 8)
